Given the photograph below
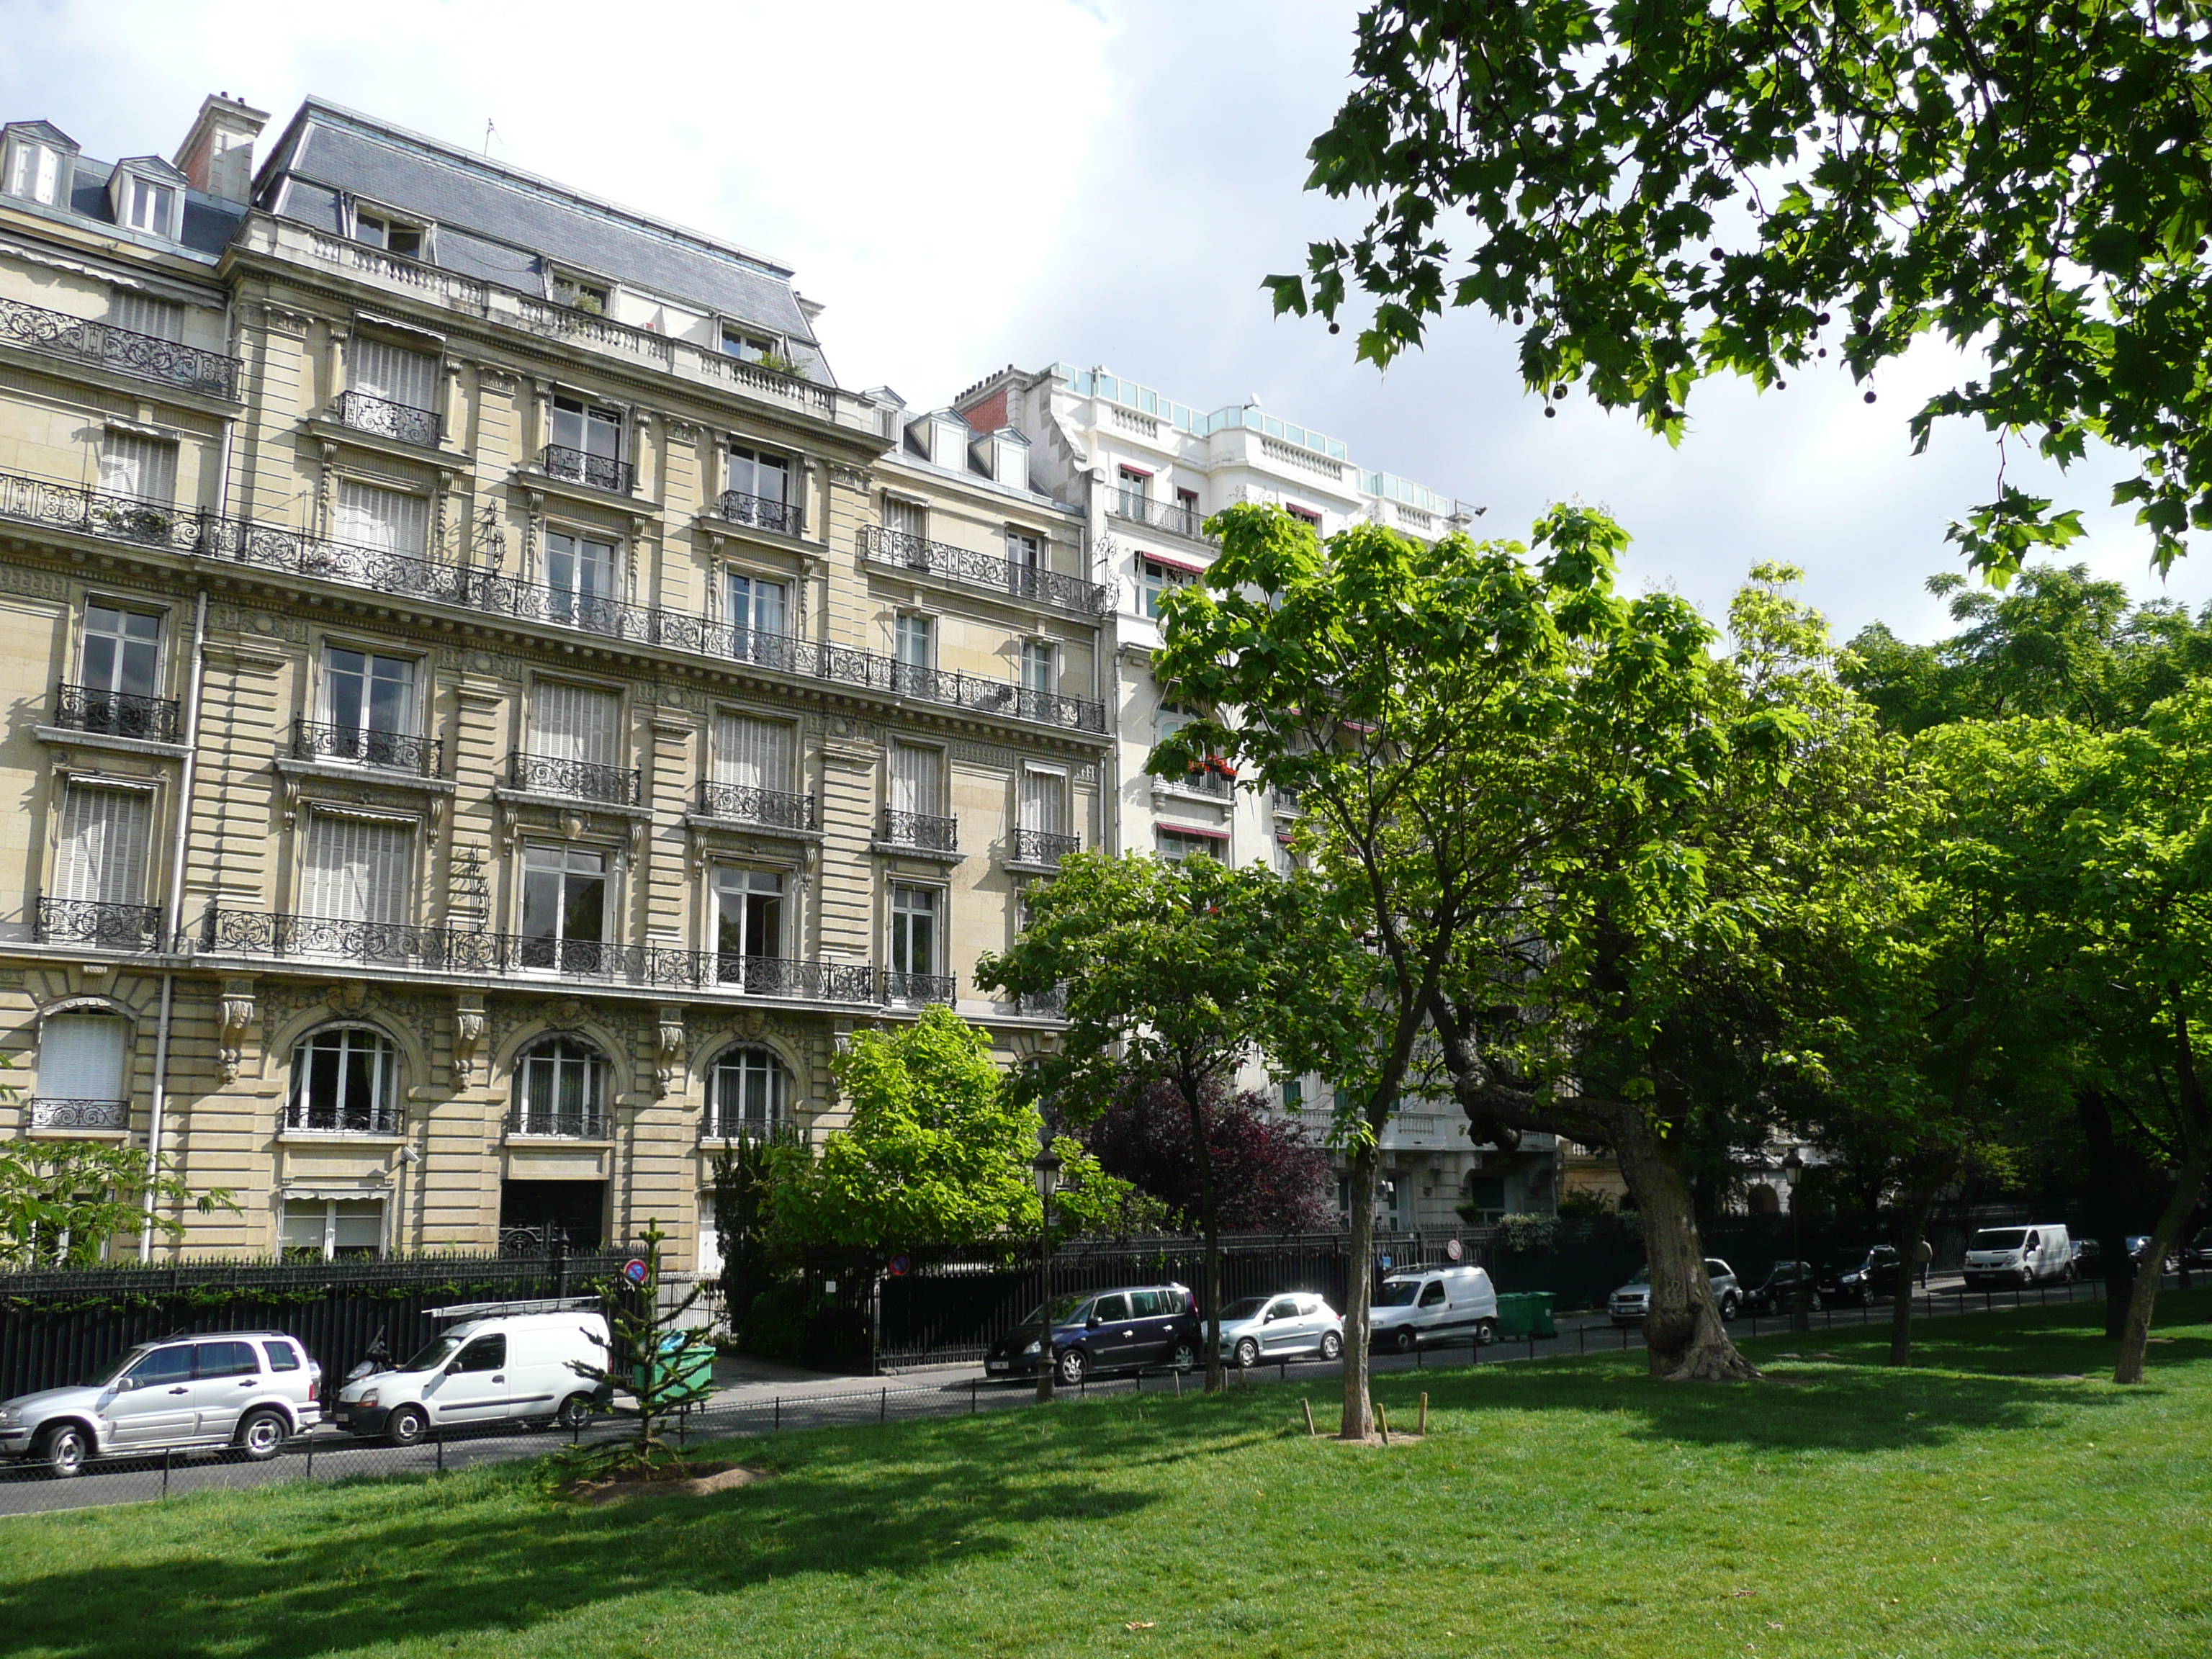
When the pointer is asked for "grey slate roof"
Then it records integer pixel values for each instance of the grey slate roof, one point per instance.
(499, 224)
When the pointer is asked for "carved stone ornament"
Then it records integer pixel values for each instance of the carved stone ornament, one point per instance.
(669, 1051)
(348, 996)
(471, 1027)
(853, 477)
(234, 1023)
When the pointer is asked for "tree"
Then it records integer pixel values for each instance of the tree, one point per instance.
(1167, 970)
(62, 1203)
(654, 1360)
(1268, 1174)
(1654, 195)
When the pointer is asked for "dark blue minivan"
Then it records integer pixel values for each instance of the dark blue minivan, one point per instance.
(1092, 1331)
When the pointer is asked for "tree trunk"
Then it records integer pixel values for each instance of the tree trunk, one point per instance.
(1911, 1229)
(2135, 1338)
(1359, 1294)
(1684, 1340)
(2095, 1113)
(1209, 1221)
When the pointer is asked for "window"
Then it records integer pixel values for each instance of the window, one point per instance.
(105, 835)
(754, 754)
(1305, 514)
(146, 205)
(914, 641)
(394, 374)
(345, 1080)
(1294, 1096)
(561, 1090)
(381, 230)
(333, 1229)
(586, 446)
(755, 607)
(1042, 805)
(748, 922)
(710, 1238)
(82, 1057)
(765, 481)
(486, 1353)
(1111, 1309)
(35, 172)
(564, 907)
(138, 467)
(750, 1092)
(913, 929)
(122, 652)
(917, 779)
(142, 313)
(580, 574)
(903, 518)
(1040, 666)
(367, 700)
(283, 1356)
(388, 520)
(1159, 580)
(580, 294)
(1175, 845)
(575, 723)
(357, 870)
(1432, 1295)
(746, 346)
(1187, 502)
(1486, 1195)
(225, 1359)
(1136, 489)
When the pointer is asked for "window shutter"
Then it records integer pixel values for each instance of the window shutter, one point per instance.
(141, 313)
(915, 779)
(754, 753)
(80, 1058)
(397, 375)
(904, 518)
(575, 722)
(390, 520)
(104, 835)
(133, 465)
(356, 870)
(1041, 803)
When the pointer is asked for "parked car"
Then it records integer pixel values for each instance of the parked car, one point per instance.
(252, 1390)
(2198, 1253)
(1628, 1304)
(1279, 1327)
(2089, 1255)
(1094, 1331)
(1431, 1305)
(1865, 1274)
(493, 1366)
(2019, 1256)
(1778, 1292)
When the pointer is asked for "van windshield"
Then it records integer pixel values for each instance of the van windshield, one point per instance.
(2000, 1239)
(1398, 1293)
(432, 1356)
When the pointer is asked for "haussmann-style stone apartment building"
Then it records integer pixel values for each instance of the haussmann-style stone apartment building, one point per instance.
(488, 711)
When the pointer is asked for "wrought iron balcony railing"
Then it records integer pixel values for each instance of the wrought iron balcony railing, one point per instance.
(380, 417)
(1053, 1002)
(275, 547)
(94, 922)
(142, 356)
(339, 1117)
(115, 713)
(601, 472)
(48, 1113)
(549, 775)
(735, 1125)
(553, 1123)
(1286, 803)
(1205, 780)
(917, 987)
(394, 751)
(920, 829)
(1043, 846)
(790, 976)
(783, 517)
(1171, 516)
(903, 550)
(747, 805)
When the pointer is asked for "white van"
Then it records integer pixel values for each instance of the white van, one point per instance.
(2011, 1256)
(1430, 1304)
(505, 1362)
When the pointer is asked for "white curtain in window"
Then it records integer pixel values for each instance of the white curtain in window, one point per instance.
(390, 520)
(104, 835)
(142, 313)
(80, 1058)
(575, 723)
(1042, 796)
(394, 374)
(906, 518)
(917, 779)
(755, 753)
(130, 465)
(357, 869)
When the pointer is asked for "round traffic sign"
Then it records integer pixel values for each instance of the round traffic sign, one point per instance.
(634, 1271)
(897, 1267)
(1452, 1251)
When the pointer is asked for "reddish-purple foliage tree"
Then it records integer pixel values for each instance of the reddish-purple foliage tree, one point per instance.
(1272, 1177)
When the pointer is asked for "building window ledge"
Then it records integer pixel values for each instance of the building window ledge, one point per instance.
(947, 856)
(72, 737)
(507, 793)
(534, 476)
(327, 428)
(710, 823)
(390, 776)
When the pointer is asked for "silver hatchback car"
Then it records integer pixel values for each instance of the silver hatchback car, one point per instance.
(1261, 1328)
(252, 1390)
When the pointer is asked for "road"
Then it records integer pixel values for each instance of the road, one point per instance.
(753, 1399)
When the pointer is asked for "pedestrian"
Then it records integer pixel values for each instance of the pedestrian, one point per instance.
(1927, 1255)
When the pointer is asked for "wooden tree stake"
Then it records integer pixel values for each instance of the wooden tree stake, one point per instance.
(1423, 1428)
(1310, 1430)
(1382, 1417)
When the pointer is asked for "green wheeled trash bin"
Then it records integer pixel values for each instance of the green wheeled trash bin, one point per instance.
(692, 1368)
(1525, 1313)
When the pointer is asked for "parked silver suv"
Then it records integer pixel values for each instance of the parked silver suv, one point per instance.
(251, 1389)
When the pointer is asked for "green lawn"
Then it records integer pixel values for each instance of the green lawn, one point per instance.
(1987, 1504)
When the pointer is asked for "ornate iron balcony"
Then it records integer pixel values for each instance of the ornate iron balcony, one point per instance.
(1053, 1002)
(1286, 803)
(581, 1123)
(549, 775)
(1205, 780)
(748, 805)
(920, 829)
(601, 472)
(142, 356)
(47, 1113)
(394, 751)
(917, 987)
(781, 516)
(337, 1117)
(115, 713)
(1171, 516)
(382, 418)
(1042, 846)
(734, 1124)
(274, 934)
(787, 977)
(94, 921)
(902, 551)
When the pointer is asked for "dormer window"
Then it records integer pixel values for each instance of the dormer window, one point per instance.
(394, 235)
(148, 195)
(747, 346)
(147, 206)
(582, 294)
(40, 160)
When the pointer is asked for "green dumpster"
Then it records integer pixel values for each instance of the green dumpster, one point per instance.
(692, 1368)
(1526, 1313)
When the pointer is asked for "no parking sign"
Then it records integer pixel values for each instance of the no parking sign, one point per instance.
(634, 1271)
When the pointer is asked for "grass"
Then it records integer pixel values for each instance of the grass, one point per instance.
(2001, 1499)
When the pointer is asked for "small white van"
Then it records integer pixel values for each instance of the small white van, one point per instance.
(504, 1362)
(2011, 1256)
(1431, 1304)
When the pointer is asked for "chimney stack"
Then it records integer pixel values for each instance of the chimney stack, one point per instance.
(217, 154)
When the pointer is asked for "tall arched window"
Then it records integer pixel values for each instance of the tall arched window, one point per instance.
(561, 1089)
(750, 1094)
(345, 1080)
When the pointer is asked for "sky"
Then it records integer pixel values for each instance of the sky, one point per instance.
(973, 183)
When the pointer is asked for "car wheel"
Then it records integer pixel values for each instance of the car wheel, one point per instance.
(262, 1435)
(1185, 1358)
(1403, 1340)
(63, 1452)
(406, 1426)
(1074, 1364)
(575, 1412)
(1332, 1346)
(1485, 1332)
(1729, 1309)
(1248, 1353)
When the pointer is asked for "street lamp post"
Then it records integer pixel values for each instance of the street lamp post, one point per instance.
(1800, 1286)
(1046, 1166)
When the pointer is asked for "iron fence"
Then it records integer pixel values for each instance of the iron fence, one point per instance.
(1041, 846)
(115, 713)
(763, 512)
(380, 417)
(580, 466)
(896, 985)
(95, 921)
(49, 1113)
(749, 805)
(141, 356)
(905, 550)
(554, 775)
(1172, 516)
(557, 1123)
(921, 829)
(395, 752)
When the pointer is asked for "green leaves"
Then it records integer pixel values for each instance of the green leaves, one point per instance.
(62, 1201)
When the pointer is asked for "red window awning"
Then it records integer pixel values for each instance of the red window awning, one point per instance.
(1192, 829)
(1173, 564)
